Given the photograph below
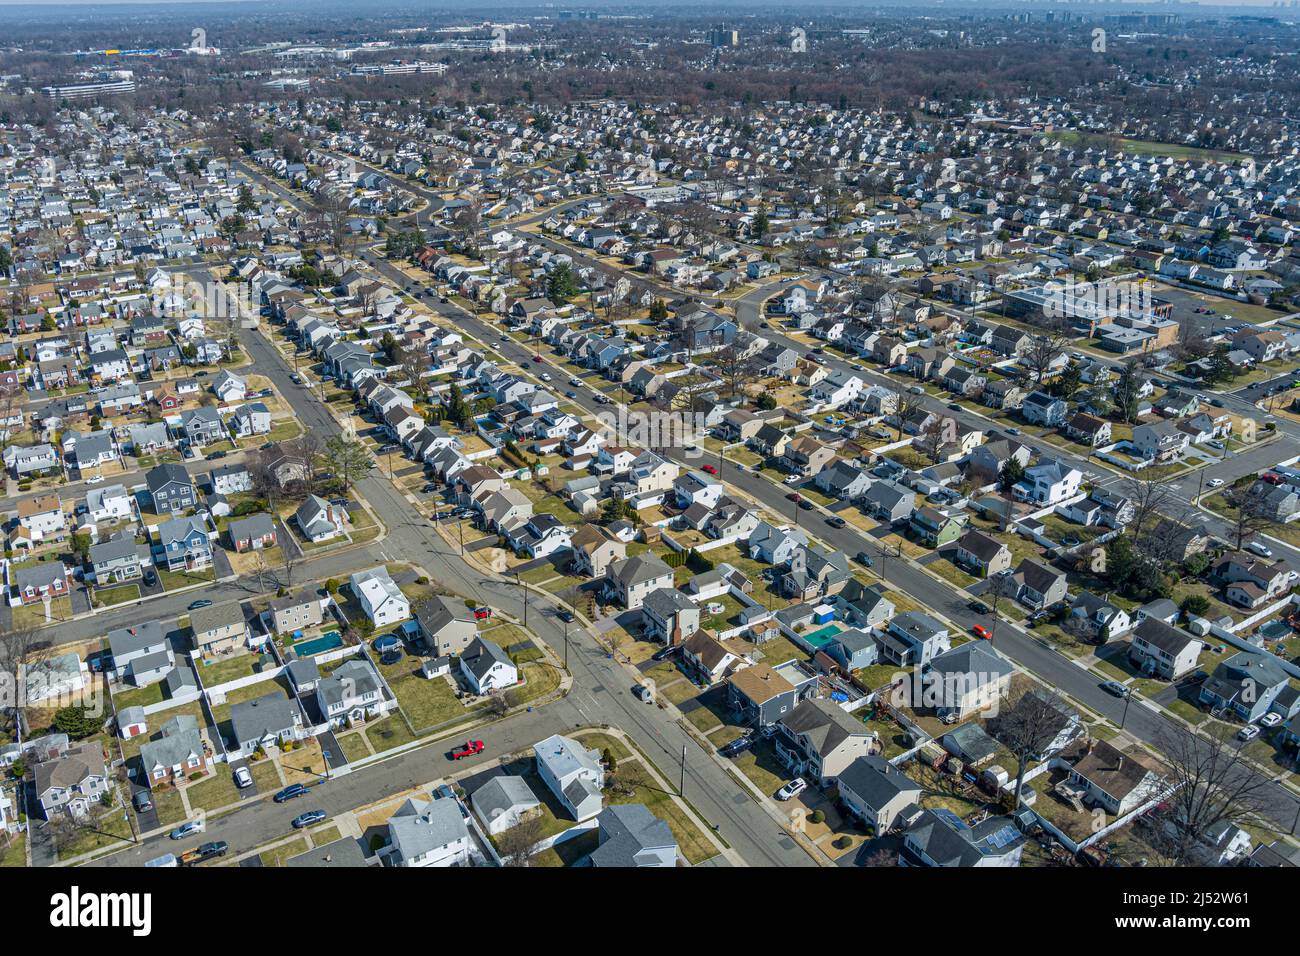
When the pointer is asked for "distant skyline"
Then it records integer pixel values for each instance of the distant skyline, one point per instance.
(469, 7)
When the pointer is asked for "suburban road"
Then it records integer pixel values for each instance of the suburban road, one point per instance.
(1144, 723)
(602, 691)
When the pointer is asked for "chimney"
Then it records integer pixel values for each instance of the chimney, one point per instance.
(1119, 763)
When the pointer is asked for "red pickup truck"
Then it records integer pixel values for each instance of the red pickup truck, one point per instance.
(471, 748)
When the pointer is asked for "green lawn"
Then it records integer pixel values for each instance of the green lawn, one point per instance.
(353, 746)
(13, 851)
(217, 791)
(277, 855)
(172, 580)
(388, 733)
(691, 841)
(118, 595)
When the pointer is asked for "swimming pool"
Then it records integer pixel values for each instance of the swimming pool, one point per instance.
(326, 642)
(822, 636)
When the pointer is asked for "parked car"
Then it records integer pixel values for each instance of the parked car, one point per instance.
(471, 748)
(835, 521)
(482, 613)
(664, 653)
(710, 469)
(979, 607)
(143, 802)
(644, 694)
(1259, 548)
(805, 504)
(290, 792)
(1116, 688)
(565, 615)
(189, 828)
(792, 789)
(1215, 482)
(982, 632)
(196, 605)
(1271, 719)
(308, 818)
(865, 559)
(243, 779)
(737, 746)
(1249, 732)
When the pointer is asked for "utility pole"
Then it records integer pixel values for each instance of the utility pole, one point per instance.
(566, 645)
(681, 787)
(523, 587)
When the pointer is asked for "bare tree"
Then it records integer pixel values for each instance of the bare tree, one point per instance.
(1044, 349)
(334, 212)
(1027, 724)
(905, 404)
(17, 645)
(1213, 783)
(1250, 515)
(737, 369)
(515, 845)
(934, 436)
(1155, 506)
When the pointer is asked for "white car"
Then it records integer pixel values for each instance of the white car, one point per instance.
(792, 789)
(243, 779)
(792, 479)
(546, 376)
(1271, 719)
(95, 481)
(1263, 550)
(644, 694)
(1249, 732)
(1215, 482)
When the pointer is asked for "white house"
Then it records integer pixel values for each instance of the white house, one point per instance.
(1048, 482)
(573, 773)
(429, 833)
(379, 596)
(486, 667)
(111, 503)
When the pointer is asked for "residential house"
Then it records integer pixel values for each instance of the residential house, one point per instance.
(486, 667)
(429, 833)
(818, 740)
(574, 774)
(1163, 651)
(877, 792)
(630, 580)
(379, 597)
(446, 626)
(1115, 781)
(218, 629)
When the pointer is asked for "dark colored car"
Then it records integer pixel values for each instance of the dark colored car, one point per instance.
(196, 605)
(805, 504)
(664, 653)
(289, 792)
(565, 615)
(737, 746)
(835, 521)
(308, 818)
(865, 559)
(143, 802)
(216, 848)
(979, 607)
